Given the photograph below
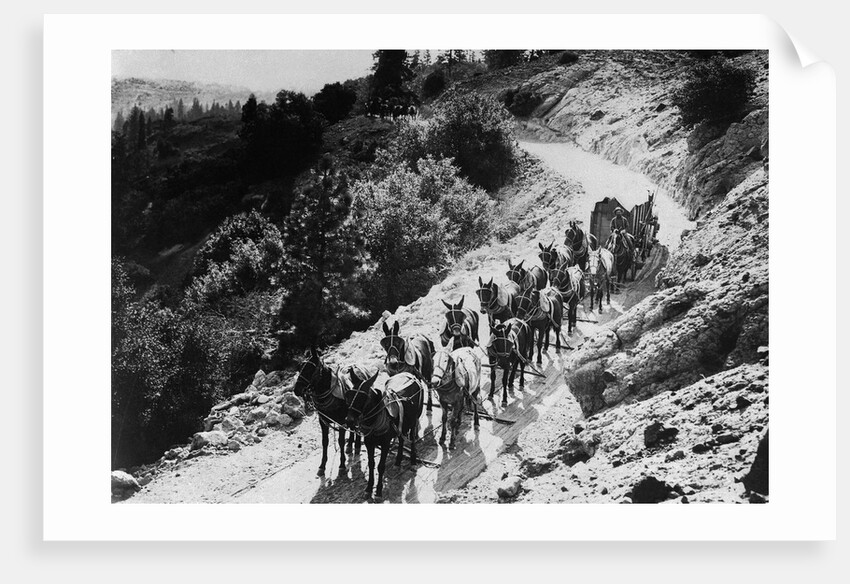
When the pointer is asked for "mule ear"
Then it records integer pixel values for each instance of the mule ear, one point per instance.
(510, 265)
(491, 281)
(480, 282)
(386, 328)
(540, 245)
(446, 304)
(314, 353)
(395, 328)
(519, 265)
(460, 304)
(354, 379)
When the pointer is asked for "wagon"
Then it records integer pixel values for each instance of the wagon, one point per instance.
(643, 224)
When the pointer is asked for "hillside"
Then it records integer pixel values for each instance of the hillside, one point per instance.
(160, 93)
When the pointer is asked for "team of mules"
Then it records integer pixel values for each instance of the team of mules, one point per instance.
(380, 406)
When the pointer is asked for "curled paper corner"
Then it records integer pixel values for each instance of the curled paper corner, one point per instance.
(795, 46)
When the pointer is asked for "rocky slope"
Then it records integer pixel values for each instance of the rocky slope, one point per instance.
(617, 104)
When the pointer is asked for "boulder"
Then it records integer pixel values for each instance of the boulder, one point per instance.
(273, 379)
(597, 115)
(509, 487)
(259, 377)
(123, 482)
(214, 439)
(292, 405)
(286, 420)
(650, 490)
(263, 398)
(657, 433)
(258, 413)
(231, 424)
(272, 419)
(234, 445)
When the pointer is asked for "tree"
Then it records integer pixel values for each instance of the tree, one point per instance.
(181, 111)
(196, 111)
(118, 126)
(391, 74)
(168, 119)
(334, 101)
(142, 138)
(322, 246)
(499, 59)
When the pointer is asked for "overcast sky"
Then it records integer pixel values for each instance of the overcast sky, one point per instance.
(305, 71)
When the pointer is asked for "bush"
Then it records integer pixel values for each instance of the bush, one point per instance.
(335, 101)
(404, 234)
(567, 58)
(242, 255)
(434, 84)
(716, 91)
(522, 103)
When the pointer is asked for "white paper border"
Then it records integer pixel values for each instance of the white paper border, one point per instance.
(76, 284)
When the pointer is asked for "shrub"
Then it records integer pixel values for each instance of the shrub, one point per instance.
(404, 235)
(567, 58)
(335, 101)
(522, 103)
(716, 91)
(243, 254)
(434, 84)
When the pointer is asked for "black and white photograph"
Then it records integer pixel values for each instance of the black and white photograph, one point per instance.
(490, 276)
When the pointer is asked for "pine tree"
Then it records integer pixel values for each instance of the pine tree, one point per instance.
(142, 138)
(118, 126)
(181, 111)
(391, 74)
(322, 244)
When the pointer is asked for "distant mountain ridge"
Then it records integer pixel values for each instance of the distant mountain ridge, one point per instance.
(159, 93)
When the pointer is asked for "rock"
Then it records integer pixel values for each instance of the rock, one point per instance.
(650, 490)
(173, 453)
(211, 421)
(258, 413)
(123, 482)
(262, 398)
(597, 115)
(262, 432)
(657, 433)
(661, 107)
(701, 448)
(756, 478)
(286, 420)
(259, 377)
(578, 428)
(273, 379)
(292, 405)
(272, 419)
(742, 403)
(231, 424)
(728, 438)
(604, 491)
(145, 480)
(509, 487)
(214, 439)
(626, 501)
(674, 456)
(533, 467)
(700, 260)
(234, 445)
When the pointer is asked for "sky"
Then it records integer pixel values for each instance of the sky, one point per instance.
(305, 71)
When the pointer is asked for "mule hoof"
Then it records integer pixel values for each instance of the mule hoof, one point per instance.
(505, 403)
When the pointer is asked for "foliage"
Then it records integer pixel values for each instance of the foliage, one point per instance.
(522, 103)
(715, 91)
(392, 73)
(335, 101)
(475, 131)
(244, 254)
(499, 59)
(282, 139)
(322, 250)
(404, 235)
(434, 84)
(163, 374)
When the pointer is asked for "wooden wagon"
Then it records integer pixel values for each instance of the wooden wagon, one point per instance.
(643, 225)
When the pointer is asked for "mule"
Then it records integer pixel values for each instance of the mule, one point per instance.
(408, 354)
(535, 277)
(621, 245)
(510, 346)
(461, 326)
(552, 256)
(457, 378)
(569, 282)
(497, 302)
(600, 268)
(327, 389)
(381, 416)
(540, 312)
(580, 244)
